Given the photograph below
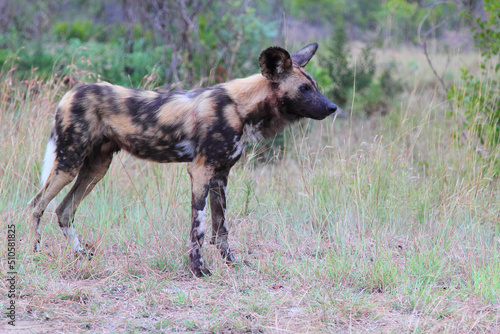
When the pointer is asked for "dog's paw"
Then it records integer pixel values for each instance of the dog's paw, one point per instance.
(201, 272)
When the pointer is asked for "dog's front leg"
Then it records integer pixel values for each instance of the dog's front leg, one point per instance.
(200, 183)
(218, 208)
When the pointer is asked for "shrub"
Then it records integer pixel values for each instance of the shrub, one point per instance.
(479, 94)
(60, 30)
(345, 75)
(82, 30)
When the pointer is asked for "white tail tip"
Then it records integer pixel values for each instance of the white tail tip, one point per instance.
(48, 162)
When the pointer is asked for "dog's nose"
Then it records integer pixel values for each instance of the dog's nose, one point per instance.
(332, 108)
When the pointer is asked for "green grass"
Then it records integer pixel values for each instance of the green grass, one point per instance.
(383, 224)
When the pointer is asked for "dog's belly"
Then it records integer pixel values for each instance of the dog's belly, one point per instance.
(159, 150)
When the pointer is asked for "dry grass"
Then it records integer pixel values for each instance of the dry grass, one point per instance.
(368, 225)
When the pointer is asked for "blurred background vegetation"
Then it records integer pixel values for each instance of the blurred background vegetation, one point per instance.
(197, 42)
(167, 44)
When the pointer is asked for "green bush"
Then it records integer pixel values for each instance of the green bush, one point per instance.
(90, 59)
(347, 81)
(82, 30)
(390, 85)
(60, 30)
(479, 95)
(372, 100)
(245, 34)
(345, 75)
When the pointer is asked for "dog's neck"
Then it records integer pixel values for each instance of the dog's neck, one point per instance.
(258, 105)
(249, 92)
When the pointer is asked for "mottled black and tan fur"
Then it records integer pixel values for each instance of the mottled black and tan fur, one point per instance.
(208, 128)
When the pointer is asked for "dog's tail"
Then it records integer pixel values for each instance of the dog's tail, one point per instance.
(48, 162)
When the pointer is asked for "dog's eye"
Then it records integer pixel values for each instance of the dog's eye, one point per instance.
(305, 88)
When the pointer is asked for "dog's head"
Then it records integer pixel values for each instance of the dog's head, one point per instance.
(296, 90)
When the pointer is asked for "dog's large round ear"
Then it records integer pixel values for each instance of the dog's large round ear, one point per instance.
(302, 57)
(275, 62)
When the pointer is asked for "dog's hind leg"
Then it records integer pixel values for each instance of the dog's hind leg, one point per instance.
(53, 185)
(220, 231)
(94, 168)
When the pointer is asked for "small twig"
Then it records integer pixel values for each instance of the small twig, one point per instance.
(423, 41)
(433, 69)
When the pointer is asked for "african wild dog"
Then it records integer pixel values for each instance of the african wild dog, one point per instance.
(207, 127)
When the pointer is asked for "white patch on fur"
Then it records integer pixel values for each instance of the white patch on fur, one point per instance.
(37, 245)
(279, 67)
(72, 238)
(239, 146)
(224, 224)
(201, 218)
(48, 162)
(251, 134)
(185, 149)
